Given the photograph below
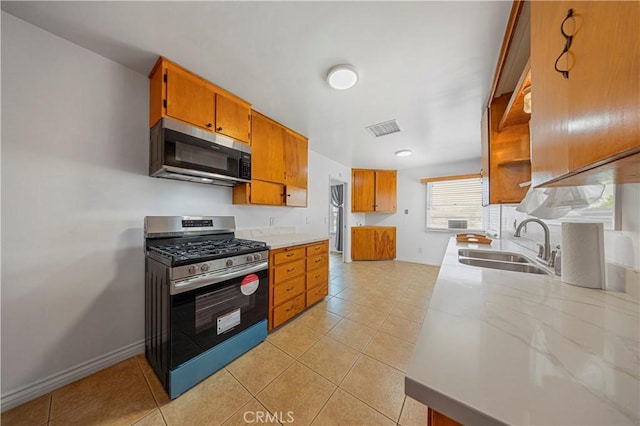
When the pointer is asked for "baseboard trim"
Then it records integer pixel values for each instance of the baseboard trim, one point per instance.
(13, 398)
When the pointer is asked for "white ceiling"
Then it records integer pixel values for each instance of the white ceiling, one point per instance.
(427, 64)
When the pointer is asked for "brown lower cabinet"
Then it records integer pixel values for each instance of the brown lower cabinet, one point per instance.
(435, 418)
(373, 242)
(298, 278)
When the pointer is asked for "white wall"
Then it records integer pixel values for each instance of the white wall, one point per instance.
(75, 191)
(414, 244)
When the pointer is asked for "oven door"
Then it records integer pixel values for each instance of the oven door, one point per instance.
(204, 317)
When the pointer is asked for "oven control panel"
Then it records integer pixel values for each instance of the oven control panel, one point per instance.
(218, 265)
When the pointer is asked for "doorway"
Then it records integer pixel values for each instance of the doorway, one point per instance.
(337, 223)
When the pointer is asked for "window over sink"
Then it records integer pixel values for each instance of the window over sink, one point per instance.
(454, 203)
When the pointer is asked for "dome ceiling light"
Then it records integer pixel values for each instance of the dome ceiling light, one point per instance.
(342, 77)
(404, 153)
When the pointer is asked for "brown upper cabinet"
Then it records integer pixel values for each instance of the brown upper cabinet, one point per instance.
(180, 94)
(506, 159)
(373, 191)
(585, 126)
(279, 162)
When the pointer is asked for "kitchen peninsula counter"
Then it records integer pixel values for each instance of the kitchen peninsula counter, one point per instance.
(499, 347)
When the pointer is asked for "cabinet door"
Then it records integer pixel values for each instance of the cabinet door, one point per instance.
(233, 118)
(385, 191)
(385, 243)
(189, 99)
(267, 149)
(266, 193)
(296, 159)
(362, 190)
(295, 197)
(363, 243)
(549, 93)
(604, 81)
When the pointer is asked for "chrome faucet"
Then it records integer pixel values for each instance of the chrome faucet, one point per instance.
(544, 253)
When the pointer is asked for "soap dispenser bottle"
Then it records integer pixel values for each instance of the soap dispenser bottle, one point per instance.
(557, 262)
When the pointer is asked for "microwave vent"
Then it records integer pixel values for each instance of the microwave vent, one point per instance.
(385, 128)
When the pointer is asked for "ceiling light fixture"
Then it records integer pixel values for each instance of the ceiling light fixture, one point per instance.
(404, 153)
(342, 77)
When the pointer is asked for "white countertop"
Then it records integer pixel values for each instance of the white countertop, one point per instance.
(280, 237)
(517, 348)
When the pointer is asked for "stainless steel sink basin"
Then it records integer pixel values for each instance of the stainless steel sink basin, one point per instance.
(505, 266)
(493, 255)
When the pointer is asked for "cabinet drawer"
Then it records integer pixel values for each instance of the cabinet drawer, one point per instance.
(316, 249)
(287, 290)
(288, 270)
(316, 262)
(288, 255)
(317, 277)
(288, 310)
(317, 293)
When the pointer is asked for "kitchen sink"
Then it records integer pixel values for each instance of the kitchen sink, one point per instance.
(505, 266)
(493, 255)
(500, 260)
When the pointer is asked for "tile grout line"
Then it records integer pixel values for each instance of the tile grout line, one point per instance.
(50, 405)
(153, 395)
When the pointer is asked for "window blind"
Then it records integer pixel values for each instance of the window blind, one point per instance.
(455, 204)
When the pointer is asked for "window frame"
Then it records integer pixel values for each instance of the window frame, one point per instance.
(428, 196)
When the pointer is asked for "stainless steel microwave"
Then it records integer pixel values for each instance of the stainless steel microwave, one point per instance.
(183, 152)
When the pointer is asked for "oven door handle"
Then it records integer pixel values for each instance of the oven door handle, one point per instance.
(214, 278)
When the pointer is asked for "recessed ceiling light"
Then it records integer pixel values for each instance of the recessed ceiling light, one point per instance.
(404, 153)
(342, 77)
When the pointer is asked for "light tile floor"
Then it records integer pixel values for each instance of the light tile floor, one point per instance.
(340, 363)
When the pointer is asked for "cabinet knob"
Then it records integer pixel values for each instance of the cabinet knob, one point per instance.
(209, 125)
(219, 129)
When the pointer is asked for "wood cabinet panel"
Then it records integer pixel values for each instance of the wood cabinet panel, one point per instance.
(189, 99)
(549, 94)
(385, 243)
(296, 280)
(233, 118)
(296, 159)
(288, 289)
(288, 309)
(267, 149)
(362, 191)
(581, 123)
(266, 193)
(288, 270)
(485, 160)
(385, 191)
(318, 261)
(317, 277)
(295, 196)
(435, 418)
(317, 293)
(288, 255)
(363, 243)
(373, 242)
(317, 249)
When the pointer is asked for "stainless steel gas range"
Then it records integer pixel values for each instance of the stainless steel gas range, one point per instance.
(206, 297)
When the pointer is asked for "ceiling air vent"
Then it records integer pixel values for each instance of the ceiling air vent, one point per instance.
(385, 128)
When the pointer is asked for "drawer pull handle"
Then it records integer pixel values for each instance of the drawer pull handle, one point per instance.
(317, 276)
(290, 254)
(291, 269)
(290, 288)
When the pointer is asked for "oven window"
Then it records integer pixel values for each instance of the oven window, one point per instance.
(186, 153)
(222, 308)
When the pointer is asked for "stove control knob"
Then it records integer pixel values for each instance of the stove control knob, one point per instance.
(257, 256)
(191, 270)
(250, 258)
(205, 267)
(229, 262)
